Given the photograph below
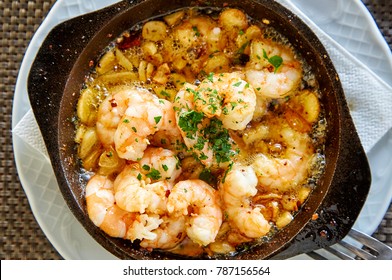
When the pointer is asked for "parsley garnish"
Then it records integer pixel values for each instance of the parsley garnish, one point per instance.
(210, 77)
(220, 140)
(233, 105)
(165, 94)
(242, 48)
(157, 119)
(146, 167)
(188, 122)
(197, 33)
(200, 143)
(154, 174)
(275, 60)
(227, 171)
(203, 156)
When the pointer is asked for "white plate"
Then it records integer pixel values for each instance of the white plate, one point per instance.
(36, 175)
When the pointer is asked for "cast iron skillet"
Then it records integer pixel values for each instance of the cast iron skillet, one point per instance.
(63, 61)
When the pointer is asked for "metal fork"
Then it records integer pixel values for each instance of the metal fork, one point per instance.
(362, 247)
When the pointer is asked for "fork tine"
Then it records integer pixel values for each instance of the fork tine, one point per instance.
(338, 253)
(357, 251)
(385, 252)
(346, 251)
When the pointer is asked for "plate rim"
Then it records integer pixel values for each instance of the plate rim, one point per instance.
(47, 24)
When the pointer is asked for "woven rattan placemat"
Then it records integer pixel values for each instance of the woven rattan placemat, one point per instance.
(21, 236)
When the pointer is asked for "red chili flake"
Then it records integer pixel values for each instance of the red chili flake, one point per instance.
(225, 4)
(91, 63)
(113, 102)
(315, 216)
(167, 193)
(133, 40)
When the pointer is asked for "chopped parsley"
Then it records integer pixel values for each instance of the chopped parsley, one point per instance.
(200, 143)
(189, 121)
(164, 166)
(165, 94)
(203, 156)
(154, 174)
(227, 171)
(275, 60)
(157, 119)
(146, 167)
(242, 48)
(197, 33)
(220, 140)
(210, 77)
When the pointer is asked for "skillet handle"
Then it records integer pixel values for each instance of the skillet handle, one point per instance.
(66, 41)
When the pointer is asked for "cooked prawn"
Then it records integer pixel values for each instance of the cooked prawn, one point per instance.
(192, 42)
(142, 119)
(200, 204)
(273, 81)
(237, 189)
(228, 97)
(111, 110)
(291, 168)
(114, 221)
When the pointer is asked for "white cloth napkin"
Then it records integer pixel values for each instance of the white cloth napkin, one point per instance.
(27, 129)
(369, 98)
